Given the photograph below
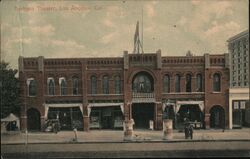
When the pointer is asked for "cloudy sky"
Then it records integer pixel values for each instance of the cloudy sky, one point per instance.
(106, 28)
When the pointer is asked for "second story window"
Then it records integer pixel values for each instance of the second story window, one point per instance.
(51, 86)
(75, 86)
(31, 87)
(63, 86)
(177, 83)
(117, 85)
(93, 85)
(188, 83)
(216, 82)
(166, 84)
(105, 85)
(199, 83)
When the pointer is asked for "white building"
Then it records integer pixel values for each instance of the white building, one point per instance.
(239, 107)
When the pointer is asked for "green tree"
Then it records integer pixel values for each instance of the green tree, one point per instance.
(9, 90)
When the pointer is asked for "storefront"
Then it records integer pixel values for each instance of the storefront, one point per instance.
(241, 113)
(69, 116)
(185, 111)
(106, 116)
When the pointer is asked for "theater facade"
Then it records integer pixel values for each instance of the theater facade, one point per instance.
(101, 93)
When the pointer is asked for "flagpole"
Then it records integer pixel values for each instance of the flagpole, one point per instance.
(142, 32)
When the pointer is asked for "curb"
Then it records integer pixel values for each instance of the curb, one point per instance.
(134, 141)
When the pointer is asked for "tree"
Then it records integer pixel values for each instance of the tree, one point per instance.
(9, 90)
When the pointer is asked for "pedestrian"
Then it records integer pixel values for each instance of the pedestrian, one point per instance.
(191, 131)
(75, 132)
(186, 130)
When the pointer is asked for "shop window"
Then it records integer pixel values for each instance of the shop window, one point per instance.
(166, 84)
(93, 85)
(216, 82)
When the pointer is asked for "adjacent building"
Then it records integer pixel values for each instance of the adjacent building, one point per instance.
(100, 93)
(239, 107)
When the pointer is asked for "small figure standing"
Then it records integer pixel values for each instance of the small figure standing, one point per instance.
(186, 128)
(191, 131)
(75, 132)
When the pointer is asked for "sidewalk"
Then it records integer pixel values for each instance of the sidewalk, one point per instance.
(116, 136)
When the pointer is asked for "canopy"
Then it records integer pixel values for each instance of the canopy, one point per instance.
(10, 118)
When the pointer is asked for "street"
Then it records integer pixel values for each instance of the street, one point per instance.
(115, 150)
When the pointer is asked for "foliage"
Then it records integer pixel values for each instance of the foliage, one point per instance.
(9, 90)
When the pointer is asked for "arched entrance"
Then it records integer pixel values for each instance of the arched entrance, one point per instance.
(217, 117)
(143, 102)
(33, 120)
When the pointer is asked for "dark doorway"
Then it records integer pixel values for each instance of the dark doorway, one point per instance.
(33, 117)
(142, 113)
(189, 112)
(217, 117)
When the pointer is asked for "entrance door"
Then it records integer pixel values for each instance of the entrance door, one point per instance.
(217, 117)
(65, 119)
(34, 123)
(142, 113)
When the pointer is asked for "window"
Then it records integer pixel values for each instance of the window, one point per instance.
(166, 84)
(75, 86)
(63, 86)
(199, 83)
(32, 87)
(93, 85)
(117, 85)
(216, 82)
(105, 85)
(188, 83)
(51, 86)
(177, 83)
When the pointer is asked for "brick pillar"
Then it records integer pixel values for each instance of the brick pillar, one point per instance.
(193, 84)
(23, 123)
(127, 111)
(85, 123)
(207, 121)
(42, 119)
(158, 122)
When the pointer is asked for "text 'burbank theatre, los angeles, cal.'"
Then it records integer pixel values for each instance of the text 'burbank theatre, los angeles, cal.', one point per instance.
(102, 93)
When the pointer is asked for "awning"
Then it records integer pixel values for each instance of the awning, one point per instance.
(179, 103)
(47, 106)
(121, 105)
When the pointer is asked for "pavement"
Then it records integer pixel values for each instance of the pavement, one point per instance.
(117, 136)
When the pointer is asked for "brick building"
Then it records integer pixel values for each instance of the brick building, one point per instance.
(100, 93)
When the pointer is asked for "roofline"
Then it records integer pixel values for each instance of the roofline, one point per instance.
(243, 33)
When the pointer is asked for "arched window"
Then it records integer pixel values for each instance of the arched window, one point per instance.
(105, 85)
(199, 83)
(143, 83)
(75, 86)
(216, 82)
(166, 84)
(117, 85)
(32, 87)
(177, 83)
(188, 83)
(51, 86)
(63, 86)
(93, 85)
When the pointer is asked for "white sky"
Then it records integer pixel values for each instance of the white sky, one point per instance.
(106, 28)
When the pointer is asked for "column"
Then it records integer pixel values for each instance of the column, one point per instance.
(42, 119)
(207, 121)
(158, 122)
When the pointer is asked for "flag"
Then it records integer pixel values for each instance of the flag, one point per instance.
(136, 33)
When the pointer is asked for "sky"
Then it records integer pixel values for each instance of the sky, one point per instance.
(64, 29)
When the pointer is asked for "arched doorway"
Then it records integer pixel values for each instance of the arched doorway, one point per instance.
(217, 117)
(33, 120)
(143, 106)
